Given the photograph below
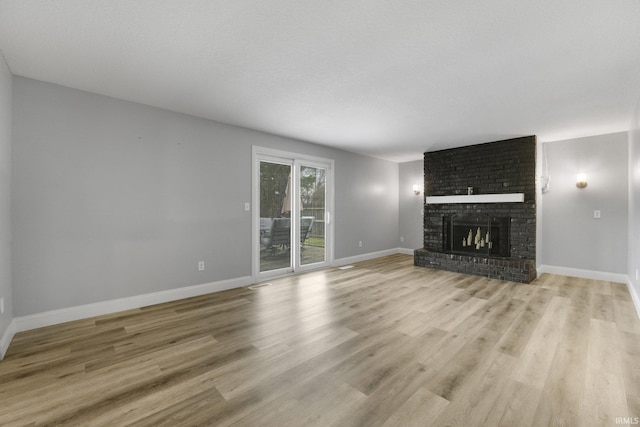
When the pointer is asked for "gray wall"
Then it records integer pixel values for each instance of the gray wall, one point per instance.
(571, 237)
(5, 194)
(410, 206)
(366, 204)
(634, 201)
(114, 199)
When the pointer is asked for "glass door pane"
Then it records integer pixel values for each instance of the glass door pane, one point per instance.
(276, 195)
(291, 220)
(312, 216)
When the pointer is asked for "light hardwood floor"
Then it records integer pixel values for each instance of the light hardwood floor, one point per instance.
(382, 344)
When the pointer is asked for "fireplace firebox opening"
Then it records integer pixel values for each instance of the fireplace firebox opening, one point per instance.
(482, 235)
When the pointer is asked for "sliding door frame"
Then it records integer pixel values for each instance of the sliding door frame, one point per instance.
(296, 160)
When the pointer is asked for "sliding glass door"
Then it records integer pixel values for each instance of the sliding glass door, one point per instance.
(292, 213)
(313, 211)
(275, 216)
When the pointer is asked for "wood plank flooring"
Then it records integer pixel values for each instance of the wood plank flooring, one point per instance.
(382, 344)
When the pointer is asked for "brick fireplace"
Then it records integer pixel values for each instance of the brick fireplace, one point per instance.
(480, 210)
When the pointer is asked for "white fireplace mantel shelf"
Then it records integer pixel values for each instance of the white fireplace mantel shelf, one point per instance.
(477, 198)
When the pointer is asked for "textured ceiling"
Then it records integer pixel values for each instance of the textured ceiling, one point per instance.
(391, 79)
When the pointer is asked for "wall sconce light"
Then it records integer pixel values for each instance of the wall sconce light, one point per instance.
(416, 189)
(581, 181)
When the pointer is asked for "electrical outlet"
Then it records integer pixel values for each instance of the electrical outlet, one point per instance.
(247, 206)
(596, 214)
(201, 266)
(360, 244)
(2, 305)
(401, 239)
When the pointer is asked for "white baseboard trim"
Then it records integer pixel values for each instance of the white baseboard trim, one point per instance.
(365, 257)
(406, 251)
(585, 274)
(54, 317)
(634, 296)
(6, 338)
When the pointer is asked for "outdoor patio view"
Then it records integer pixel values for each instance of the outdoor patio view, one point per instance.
(276, 206)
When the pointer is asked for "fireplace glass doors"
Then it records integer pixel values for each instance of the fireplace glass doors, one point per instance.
(482, 235)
